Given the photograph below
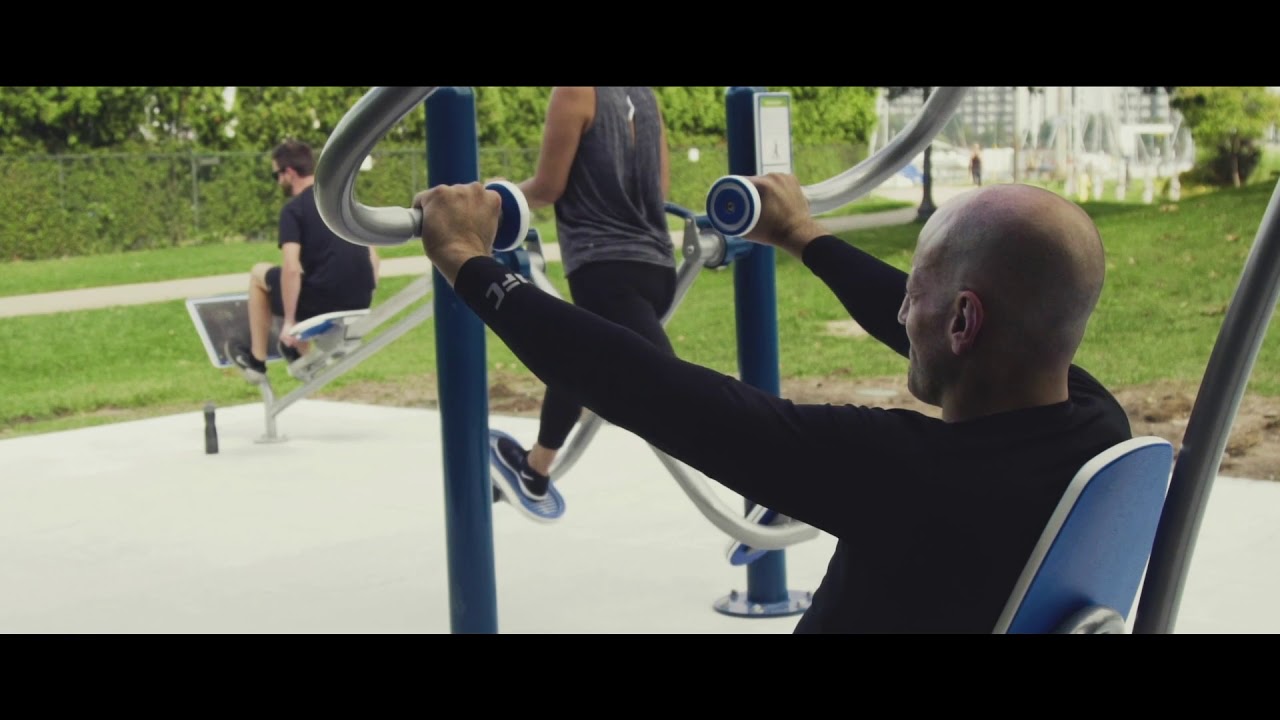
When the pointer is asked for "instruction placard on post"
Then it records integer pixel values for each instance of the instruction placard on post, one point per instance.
(773, 133)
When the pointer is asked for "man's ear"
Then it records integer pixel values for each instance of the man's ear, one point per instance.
(966, 321)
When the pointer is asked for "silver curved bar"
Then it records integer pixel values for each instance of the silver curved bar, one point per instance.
(784, 532)
(335, 177)
(867, 175)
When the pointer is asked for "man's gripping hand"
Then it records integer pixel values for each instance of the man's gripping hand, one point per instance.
(459, 222)
(785, 220)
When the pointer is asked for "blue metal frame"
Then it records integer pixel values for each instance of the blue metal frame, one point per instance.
(453, 157)
(756, 310)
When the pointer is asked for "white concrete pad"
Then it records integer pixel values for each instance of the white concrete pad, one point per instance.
(132, 528)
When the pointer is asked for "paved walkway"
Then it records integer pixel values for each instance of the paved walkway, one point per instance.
(153, 292)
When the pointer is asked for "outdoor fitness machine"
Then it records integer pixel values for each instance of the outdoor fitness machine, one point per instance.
(452, 157)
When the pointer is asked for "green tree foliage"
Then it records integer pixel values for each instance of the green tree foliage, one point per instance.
(505, 117)
(511, 117)
(187, 116)
(265, 116)
(1231, 120)
(69, 119)
(61, 120)
(830, 115)
(694, 114)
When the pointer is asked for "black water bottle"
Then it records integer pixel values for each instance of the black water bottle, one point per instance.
(210, 431)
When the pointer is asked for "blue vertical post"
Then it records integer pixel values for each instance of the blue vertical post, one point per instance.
(453, 157)
(756, 311)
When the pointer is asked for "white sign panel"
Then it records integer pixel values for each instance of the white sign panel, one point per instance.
(773, 133)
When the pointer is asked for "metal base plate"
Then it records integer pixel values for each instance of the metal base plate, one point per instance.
(736, 604)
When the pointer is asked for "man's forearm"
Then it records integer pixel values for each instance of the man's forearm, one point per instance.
(290, 289)
(795, 240)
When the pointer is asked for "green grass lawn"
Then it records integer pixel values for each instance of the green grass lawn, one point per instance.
(1172, 270)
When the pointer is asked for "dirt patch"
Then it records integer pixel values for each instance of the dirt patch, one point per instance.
(518, 394)
(1162, 409)
(1253, 448)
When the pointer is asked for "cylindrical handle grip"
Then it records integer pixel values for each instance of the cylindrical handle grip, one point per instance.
(733, 206)
(513, 224)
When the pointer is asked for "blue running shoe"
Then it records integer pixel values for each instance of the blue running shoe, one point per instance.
(518, 484)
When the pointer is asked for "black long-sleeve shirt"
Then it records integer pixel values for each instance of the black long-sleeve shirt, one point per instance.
(934, 520)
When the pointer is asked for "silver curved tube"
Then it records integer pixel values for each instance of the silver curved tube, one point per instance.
(784, 532)
(867, 175)
(588, 425)
(350, 143)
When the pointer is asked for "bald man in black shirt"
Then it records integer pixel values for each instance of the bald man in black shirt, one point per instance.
(935, 517)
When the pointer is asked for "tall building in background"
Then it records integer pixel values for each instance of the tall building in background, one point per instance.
(989, 115)
(1050, 131)
(1132, 106)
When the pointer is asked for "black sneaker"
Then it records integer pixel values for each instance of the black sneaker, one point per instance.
(513, 462)
(255, 370)
(288, 353)
(531, 494)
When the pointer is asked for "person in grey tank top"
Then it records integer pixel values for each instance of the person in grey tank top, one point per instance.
(604, 166)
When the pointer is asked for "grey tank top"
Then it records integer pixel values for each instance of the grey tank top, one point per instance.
(612, 207)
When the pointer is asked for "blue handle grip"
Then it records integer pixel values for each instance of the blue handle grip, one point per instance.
(733, 206)
(513, 226)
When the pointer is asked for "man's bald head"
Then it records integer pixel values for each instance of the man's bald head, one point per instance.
(1034, 258)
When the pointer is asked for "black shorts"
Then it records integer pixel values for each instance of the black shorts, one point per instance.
(310, 303)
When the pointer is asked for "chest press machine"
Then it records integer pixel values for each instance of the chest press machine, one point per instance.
(339, 341)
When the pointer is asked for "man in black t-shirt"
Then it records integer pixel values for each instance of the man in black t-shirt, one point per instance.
(935, 517)
(319, 272)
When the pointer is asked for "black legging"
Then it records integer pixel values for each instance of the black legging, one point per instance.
(634, 295)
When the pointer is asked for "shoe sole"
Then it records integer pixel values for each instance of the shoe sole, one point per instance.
(252, 376)
(547, 510)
